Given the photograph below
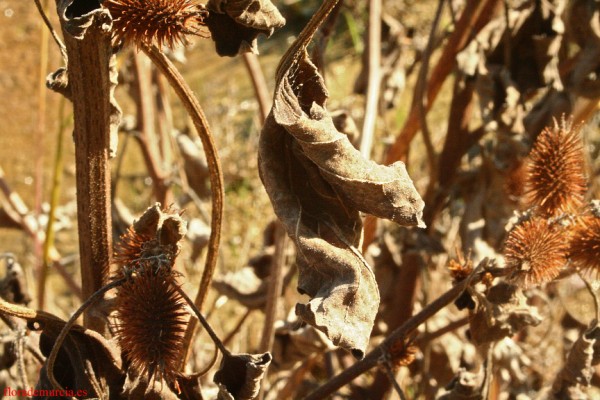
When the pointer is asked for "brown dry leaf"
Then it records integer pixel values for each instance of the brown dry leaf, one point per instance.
(86, 361)
(318, 182)
(235, 24)
(240, 375)
(506, 313)
(578, 371)
(295, 342)
(465, 386)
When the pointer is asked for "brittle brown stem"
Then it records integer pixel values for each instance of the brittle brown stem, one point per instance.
(193, 108)
(259, 83)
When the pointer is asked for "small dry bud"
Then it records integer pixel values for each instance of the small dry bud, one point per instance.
(535, 251)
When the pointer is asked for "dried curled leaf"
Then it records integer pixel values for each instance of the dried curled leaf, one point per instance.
(240, 375)
(318, 182)
(235, 24)
(577, 372)
(505, 314)
(465, 386)
(86, 361)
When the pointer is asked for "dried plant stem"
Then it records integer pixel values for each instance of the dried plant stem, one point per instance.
(146, 132)
(452, 326)
(193, 108)
(54, 199)
(40, 150)
(420, 99)
(472, 17)
(389, 371)
(372, 359)
(373, 79)
(274, 292)
(204, 323)
(69, 324)
(237, 327)
(89, 68)
(259, 83)
(59, 43)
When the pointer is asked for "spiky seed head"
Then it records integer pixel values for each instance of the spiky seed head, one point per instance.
(584, 248)
(403, 353)
(556, 180)
(160, 22)
(152, 320)
(535, 251)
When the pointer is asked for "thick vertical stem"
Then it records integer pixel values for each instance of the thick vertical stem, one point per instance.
(89, 56)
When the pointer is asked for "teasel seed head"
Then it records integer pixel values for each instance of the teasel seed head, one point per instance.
(152, 319)
(556, 180)
(160, 22)
(535, 251)
(403, 353)
(584, 249)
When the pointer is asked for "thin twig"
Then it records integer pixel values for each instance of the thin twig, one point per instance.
(387, 366)
(237, 327)
(61, 46)
(259, 83)
(373, 79)
(69, 324)
(193, 108)
(204, 323)
(400, 333)
(420, 98)
(470, 21)
(54, 200)
(274, 291)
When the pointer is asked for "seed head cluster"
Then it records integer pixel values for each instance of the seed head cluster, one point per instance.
(535, 251)
(556, 180)
(160, 22)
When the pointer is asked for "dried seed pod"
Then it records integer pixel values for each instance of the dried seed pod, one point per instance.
(151, 313)
(535, 251)
(152, 320)
(161, 22)
(584, 248)
(556, 181)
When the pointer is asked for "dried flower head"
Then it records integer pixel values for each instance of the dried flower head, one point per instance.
(535, 251)
(403, 353)
(584, 248)
(556, 180)
(161, 22)
(152, 321)
(460, 269)
(151, 315)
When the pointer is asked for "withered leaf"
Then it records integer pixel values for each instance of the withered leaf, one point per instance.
(318, 182)
(235, 24)
(578, 371)
(465, 386)
(240, 375)
(86, 361)
(508, 312)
